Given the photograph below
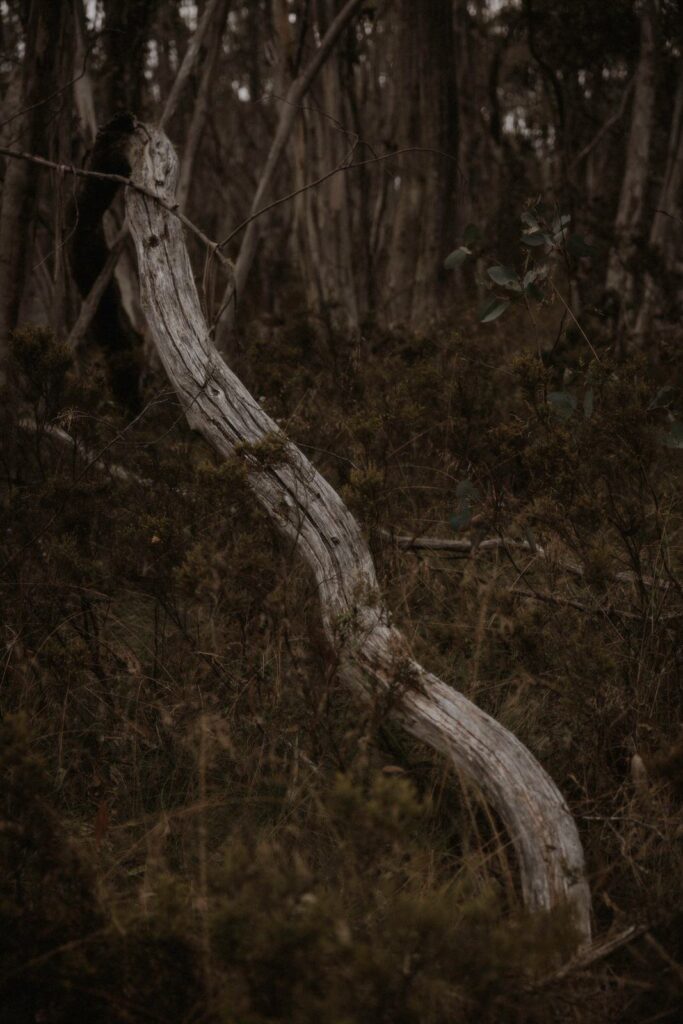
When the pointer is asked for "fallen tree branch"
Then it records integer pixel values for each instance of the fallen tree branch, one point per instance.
(373, 656)
(409, 543)
(92, 460)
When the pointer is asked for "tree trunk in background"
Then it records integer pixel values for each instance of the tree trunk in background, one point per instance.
(19, 187)
(211, 57)
(126, 36)
(323, 215)
(478, 187)
(290, 109)
(425, 199)
(89, 252)
(665, 233)
(83, 88)
(127, 27)
(620, 269)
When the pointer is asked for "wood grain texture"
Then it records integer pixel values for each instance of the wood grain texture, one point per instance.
(373, 656)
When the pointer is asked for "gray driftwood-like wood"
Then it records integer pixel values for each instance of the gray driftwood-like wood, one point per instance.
(373, 656)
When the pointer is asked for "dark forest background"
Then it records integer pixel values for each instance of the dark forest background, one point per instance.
(463, 301)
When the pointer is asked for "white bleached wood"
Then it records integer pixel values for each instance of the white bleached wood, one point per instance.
(373, 655)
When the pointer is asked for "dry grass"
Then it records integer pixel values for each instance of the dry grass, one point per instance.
(201, 824)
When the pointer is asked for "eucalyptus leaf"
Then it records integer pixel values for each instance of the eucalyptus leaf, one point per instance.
(562, 404)
(674, 439)
(467, 493)
(505, 277)
(466, 489)
(457, 257)
(536, 238)
(492, 309)
(665, 397)
(461, 519)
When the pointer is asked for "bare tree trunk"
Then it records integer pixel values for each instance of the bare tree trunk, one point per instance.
(373, 656)
(196, 129)
(89, 252)
(189, 60)
(620, 271)
(19, 186)
(324, 214)
(83, 89)
(665, 230)
(424, 219)
(127, 25)
(290, 109)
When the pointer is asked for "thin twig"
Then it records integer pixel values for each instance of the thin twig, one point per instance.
(323, 178)
(81, 172)
(593, 954)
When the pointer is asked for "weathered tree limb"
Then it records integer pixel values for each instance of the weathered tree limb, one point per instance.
(373, 656)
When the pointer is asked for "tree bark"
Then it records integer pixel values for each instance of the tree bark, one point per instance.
(620, 272)
(290, 109)
(424, 217)
(19, 186)
(189, 60)
(84, 96)
(199, 114)
(323, 216)
(665, 230)
(373, 656)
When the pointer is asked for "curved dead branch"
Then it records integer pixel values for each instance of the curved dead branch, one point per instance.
(374, 657)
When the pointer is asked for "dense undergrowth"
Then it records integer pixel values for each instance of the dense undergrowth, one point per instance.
(200, 824)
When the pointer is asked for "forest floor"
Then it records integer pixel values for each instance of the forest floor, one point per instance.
(200, 824)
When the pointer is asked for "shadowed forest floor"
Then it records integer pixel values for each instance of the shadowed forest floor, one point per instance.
(199, 823)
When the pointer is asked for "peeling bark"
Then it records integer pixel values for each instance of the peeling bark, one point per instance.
(373, 656)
